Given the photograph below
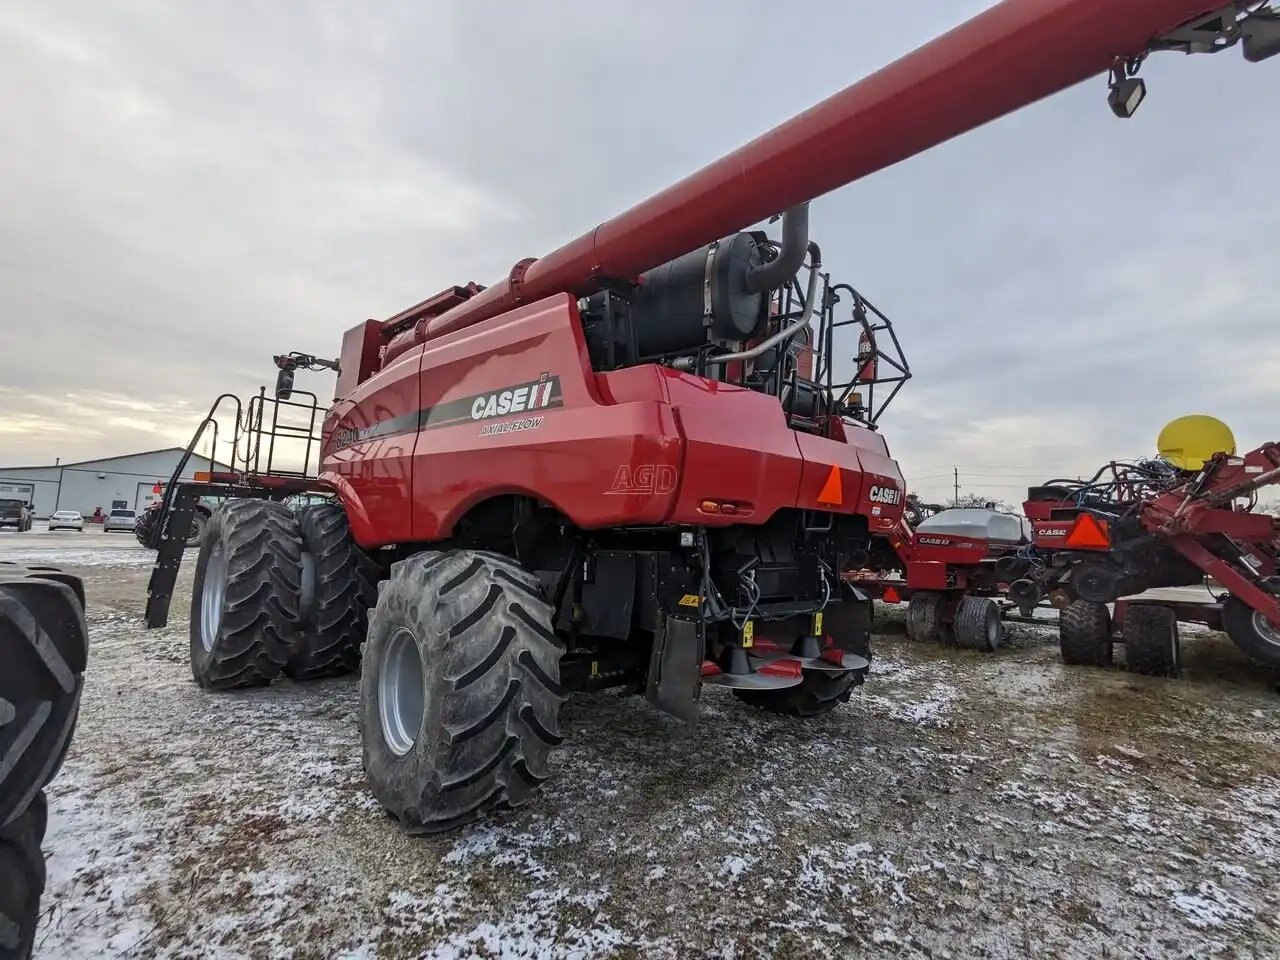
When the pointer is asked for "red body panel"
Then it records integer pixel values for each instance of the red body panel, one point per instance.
(413, 449)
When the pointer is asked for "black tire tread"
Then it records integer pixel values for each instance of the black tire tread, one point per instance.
(261, 615)
(491, 661)
(346, 588)
(924, 617)
(22, 879)
(1084, 634)
(971, 623)
(1149, 647)
(45, 648)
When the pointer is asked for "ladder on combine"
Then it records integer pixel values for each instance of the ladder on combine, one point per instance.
(274, 455)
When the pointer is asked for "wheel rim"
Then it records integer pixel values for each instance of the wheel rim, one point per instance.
(400, 694)
(1262, 626)
(212, 595)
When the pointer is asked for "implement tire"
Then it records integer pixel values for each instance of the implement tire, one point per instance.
(978, 625)
(1151, 640)
(460, 689)
(339, 586)
(22, 879)
(924, 618)
(1251, 631)
(1084, 634)
(43, 650)
(246, 596)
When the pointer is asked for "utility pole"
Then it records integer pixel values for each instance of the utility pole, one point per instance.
(956, 471)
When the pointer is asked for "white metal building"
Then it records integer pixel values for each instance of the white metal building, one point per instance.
(127, 481)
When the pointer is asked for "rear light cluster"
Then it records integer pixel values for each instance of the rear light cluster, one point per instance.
(718, 506)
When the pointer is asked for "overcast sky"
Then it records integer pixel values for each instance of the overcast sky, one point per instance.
(188, 188)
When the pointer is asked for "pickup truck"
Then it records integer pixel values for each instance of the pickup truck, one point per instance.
(16, 513)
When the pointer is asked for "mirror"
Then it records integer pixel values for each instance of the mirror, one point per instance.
(284, 384)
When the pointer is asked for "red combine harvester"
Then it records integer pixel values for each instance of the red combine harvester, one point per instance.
(608, 468)
(1138, 527)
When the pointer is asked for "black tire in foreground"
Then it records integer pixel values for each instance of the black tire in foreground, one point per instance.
(978, 625)
(339, 586)
(1151, 640)
(22, 879)
(246, 596)
(849, 625)
(925, 618)
(43, 650)
(1084, 634)
(1251, 631)
(460, 689)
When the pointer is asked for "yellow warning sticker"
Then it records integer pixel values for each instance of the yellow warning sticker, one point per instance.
(817, 624)
(595, 668)
(749, 633)
(690, 600)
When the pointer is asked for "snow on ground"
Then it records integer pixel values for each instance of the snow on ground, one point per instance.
(962, 805)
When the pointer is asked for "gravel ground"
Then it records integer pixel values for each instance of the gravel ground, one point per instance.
(962, 805)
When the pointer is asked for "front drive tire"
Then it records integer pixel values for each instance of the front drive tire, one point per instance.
(339, 586)
(246, 596)
(460, 690)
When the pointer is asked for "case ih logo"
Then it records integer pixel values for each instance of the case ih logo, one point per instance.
(934, 541)
(1052, 531)
(529, 396)
(647, 478)
(889, 495)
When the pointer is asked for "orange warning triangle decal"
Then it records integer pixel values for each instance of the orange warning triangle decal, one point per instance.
(1089, 532)
(832, 491)
(891, 595)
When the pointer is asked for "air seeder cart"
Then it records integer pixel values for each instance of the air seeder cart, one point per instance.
(1184, 520)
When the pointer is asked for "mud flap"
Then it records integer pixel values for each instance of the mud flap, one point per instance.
(675, 668)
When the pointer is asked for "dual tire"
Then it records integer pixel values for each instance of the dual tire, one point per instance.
(1151, 647)
(278, 593)
(43, 651)
(975, 625)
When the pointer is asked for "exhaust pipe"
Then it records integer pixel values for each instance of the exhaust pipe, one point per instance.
(795, 241)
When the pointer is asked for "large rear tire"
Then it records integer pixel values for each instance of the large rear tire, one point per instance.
(1251, 631)
(22, 879)
(1151, 640)
(339, 586)
(246, 596)
(925, 617)
(43, 650)
(1084, 634)
(460, 689)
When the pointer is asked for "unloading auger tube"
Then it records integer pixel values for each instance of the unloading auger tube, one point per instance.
(1007, 57)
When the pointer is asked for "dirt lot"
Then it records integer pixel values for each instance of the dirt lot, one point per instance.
(961, 806)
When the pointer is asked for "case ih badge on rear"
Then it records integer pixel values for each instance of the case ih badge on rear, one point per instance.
(684, 343)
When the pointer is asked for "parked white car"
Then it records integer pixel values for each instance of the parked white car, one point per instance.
(66, 520)
(119, 520)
